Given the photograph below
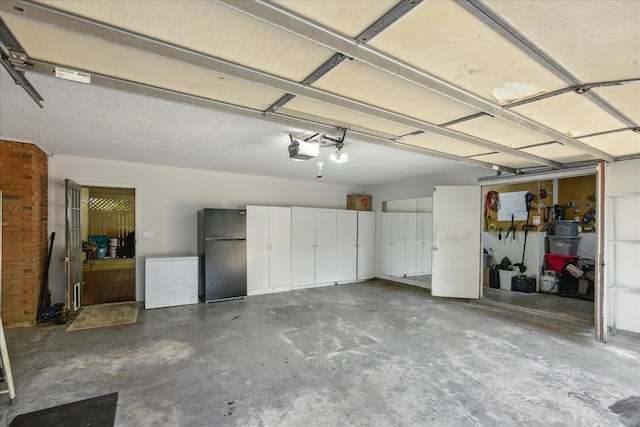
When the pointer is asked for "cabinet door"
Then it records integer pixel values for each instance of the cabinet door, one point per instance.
(257, 248)
(427, 226)
(386, 256)
(411, 256)
(280, 245)
(426, 256)
(326, 245)
(385, 222)
(411, 226)
(303, 246)
(398, 257)
(366, 245)
(398, 225)
(347, 246)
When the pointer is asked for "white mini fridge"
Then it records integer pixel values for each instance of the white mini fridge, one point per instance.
(170, 281)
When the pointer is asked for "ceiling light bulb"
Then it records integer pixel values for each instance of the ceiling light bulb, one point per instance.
(339, 156)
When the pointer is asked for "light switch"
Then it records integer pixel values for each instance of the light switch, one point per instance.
(147, 234)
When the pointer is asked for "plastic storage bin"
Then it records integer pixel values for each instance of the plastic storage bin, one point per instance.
(566, 228)
(505, 278)
(561, 245)
(557, 262)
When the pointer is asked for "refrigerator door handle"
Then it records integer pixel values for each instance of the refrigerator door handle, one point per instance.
(217, 239)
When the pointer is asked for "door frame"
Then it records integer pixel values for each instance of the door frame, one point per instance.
(599, 174)
(136, 188)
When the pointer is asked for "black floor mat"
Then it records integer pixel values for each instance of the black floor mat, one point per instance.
(95, 412)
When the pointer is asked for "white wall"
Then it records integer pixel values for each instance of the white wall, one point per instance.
(167, 200)
(416, 188)
(622, 245)
(512, 249)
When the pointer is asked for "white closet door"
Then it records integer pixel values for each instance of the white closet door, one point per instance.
(366, 245)
(387, 247)
(426, 256)
(398, 257)
(398, 225)
(411, 226)
(257, 248)
(385, 221)
(326, 245)
(411, 251)
(425, 242)
(347, 246)
(280, 254)
(427, 225)
(303, 246)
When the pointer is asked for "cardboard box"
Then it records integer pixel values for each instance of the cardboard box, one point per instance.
(359, 202)
(485, 277)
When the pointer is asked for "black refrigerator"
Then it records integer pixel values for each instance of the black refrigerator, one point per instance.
(222, 250)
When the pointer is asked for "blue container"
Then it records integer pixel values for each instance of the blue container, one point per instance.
(101, 253)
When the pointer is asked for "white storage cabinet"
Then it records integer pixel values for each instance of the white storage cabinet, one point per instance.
(268, 249)
(347, 246)
(366, 245)
(425, 242)
(393, 243)
(313, 247)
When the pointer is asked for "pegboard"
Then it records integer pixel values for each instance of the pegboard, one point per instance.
(578, 198)
(573, 193)
(491, 214)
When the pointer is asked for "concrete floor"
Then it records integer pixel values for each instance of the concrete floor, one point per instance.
(541, 304)
(367, 354)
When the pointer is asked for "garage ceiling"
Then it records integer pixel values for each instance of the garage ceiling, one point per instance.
(497, 84)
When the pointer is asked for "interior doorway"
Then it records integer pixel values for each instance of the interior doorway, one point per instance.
(109, 238)
(555, 265)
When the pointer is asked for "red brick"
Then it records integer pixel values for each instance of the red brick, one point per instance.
(24, 184)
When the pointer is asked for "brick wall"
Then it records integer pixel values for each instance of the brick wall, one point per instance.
(24, 185)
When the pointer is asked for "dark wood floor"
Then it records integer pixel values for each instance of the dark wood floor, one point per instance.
(102, 287)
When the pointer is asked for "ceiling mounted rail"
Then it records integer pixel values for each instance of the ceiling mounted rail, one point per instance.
(119, 37)
(506, 30)
(48, 69)
(395, 13)
(579, 89)
(13, 57)
(296, 24)
(395, 142)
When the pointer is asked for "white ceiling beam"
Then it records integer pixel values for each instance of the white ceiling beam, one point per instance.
(487, 15)
(48, 70)
(82, 26)
(287, 20)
